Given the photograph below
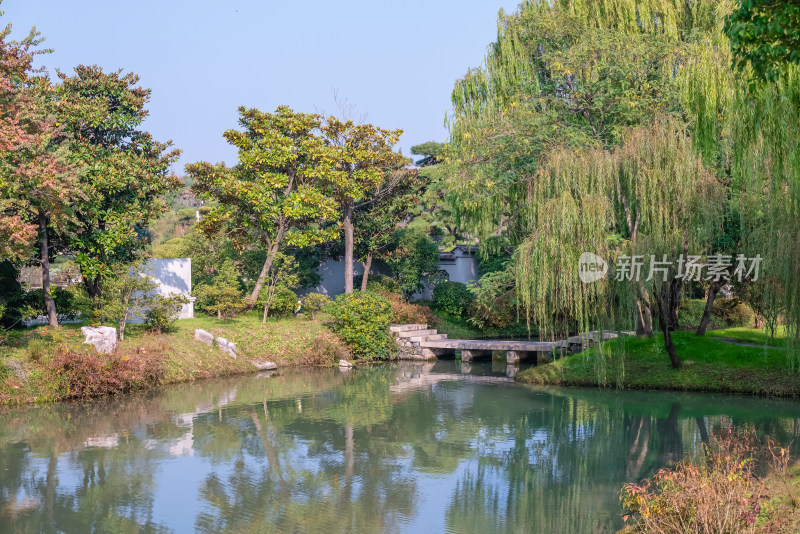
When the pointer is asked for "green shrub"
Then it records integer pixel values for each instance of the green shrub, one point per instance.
(495, 303)
(12, 296)
(284, 303)
(724, 314)
(70, 302)
(164, 312)
(734, 312)
(379, 283)
(174, 248)
(362, 322)
(315, 302)
(187, 214)
(452, 297)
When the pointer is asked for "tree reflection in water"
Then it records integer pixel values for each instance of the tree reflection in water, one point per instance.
(383, 449)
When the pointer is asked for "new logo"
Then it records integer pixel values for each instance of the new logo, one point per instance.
(591, 268)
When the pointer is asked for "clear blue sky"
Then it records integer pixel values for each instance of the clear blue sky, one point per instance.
(395, 61)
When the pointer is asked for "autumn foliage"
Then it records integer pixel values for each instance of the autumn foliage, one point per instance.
(722, 494)
(88, 374)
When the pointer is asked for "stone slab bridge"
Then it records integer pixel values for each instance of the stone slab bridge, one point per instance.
(418, 342)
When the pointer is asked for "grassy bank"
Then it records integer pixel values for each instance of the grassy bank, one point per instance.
(734, 360)
(43, 364)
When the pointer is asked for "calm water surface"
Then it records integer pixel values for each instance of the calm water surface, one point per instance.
(395, 448)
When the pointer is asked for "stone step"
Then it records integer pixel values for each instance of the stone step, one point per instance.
(417, 333)
(406, 327)
(430, 337)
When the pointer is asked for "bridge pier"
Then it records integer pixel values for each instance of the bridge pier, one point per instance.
(513, 357)
(468, 355)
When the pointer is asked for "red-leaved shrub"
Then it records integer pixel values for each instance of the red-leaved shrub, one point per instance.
(407, 313)
(722, 494)
(83, 375)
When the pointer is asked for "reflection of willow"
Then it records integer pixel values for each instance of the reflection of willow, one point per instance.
(323, 471)
(560, 469)
(114, 493)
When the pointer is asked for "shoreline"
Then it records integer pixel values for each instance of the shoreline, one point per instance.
(711, 364)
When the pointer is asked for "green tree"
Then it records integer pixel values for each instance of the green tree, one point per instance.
(282, 275)
(365, 159)
(223, 296)
(276, 193)
(431, 153)
(127, 293)
(376, 219)
(765, 36)
(415, 261)
(125, 172)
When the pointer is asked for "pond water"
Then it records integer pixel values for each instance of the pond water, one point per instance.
(391, 448)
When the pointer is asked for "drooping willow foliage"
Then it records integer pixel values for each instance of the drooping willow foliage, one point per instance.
(651, 195)
(565, 74)
(765, 169)
(621, 127)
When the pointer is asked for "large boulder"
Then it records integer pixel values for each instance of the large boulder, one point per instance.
(262, 365)
(203, 336)
(102, 338)
(227, 346)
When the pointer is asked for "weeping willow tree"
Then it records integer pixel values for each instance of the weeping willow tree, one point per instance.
(651, 196)
(765, 169)
(620, 127)
(564, 74)
(750, 133)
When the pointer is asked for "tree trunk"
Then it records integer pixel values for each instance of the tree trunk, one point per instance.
(367, 267)
(273, 250)
(644, 313)
(348, 246)
(92, 286)
(712, 294)
(49, 302)
(123, 321)
(668, 300)
(266, 313)
(644, 319)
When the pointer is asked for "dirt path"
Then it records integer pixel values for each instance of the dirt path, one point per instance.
(734, 341)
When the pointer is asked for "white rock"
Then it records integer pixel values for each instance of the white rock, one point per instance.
(345, 363)
(205, 337)
(261, 365)
(102, 338)
(226, 346)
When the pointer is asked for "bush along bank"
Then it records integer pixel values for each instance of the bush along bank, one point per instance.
(45, 365)
(734, 360)
(740, 486)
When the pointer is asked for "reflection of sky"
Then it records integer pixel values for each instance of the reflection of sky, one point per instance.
(176, 499)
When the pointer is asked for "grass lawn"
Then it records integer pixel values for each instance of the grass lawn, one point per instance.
(29, 371)
(753, 335)
(709, 364)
